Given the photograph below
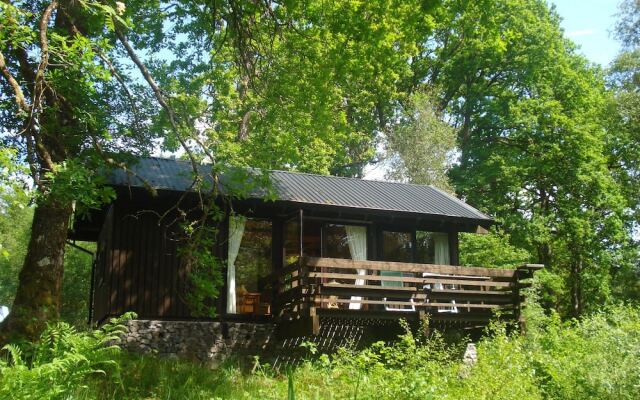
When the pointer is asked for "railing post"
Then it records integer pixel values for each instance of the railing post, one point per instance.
(525, 271)
(275, 293)
(303, 281)
(517, 311)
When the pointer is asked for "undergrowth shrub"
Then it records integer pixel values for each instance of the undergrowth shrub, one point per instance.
(502, 371)
(597, 357)
(62, 364)
(594, 358)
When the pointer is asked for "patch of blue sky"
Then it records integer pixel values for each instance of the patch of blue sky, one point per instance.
(589, 23)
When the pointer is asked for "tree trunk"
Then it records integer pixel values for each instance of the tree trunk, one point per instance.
(37, 299)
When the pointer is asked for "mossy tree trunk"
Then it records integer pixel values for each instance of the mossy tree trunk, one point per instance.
(38, 296)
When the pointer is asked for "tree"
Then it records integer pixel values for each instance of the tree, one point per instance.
(531, 116)
(627, 28)
(624, 148)
(420, 146)
(491, 250)
(15, 221)
(46, 58)
(294, 85)
(301, 85)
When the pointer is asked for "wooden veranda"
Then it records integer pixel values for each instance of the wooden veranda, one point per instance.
(317, 289)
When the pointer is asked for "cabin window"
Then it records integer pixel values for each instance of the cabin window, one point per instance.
(350, 242)
(397, 246)
(312, 238)
(432, 248)
(345, 241)
(249, 266)
(336, 243)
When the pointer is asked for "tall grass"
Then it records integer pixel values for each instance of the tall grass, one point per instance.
(595, 358)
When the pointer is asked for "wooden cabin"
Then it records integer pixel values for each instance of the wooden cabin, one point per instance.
(325, 248)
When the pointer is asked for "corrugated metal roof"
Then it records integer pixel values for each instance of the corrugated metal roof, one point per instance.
(177, 175)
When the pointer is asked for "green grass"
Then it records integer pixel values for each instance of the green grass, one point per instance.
(596, 358)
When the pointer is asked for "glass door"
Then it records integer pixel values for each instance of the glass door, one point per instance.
(249, 266)
(350, 242)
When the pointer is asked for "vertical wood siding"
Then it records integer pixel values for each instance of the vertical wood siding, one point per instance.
(140, 270)
(101, 283)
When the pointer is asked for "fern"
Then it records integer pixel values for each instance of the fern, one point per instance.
(15, 353)
(63, 363)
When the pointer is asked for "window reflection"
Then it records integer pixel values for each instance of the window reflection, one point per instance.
(425, 247)
(397, 246)
(432, 248)
(349, 242)
(312, 240)
(291, 245)
(336, 241)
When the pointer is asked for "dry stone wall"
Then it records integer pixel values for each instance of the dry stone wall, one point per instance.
(212, 342)
(204, 341)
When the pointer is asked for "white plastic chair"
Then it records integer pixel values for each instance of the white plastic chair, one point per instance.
(439, 286)
(387, 307)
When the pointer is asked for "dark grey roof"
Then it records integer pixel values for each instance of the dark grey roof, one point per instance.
(176, 175)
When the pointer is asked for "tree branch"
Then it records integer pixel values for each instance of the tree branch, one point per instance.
(39, 85)
(20, 100)
(159, 97)
(113, 163)
(44, 56)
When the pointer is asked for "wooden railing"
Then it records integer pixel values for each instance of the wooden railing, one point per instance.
(395, 289)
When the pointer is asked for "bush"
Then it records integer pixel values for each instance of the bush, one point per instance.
(596, 358)
(503, 370)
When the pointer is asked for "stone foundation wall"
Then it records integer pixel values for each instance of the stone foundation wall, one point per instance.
(199, 340)
(212, 342)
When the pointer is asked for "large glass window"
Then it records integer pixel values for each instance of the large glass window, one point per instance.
(425, 247)
(249, 266)
(312, 238)
(397, 246)
(432, 248)
(345, 241)
(350, 242)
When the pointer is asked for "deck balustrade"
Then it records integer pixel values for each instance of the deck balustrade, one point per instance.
(355, 289)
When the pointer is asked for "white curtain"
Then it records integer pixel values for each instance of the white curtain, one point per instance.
(357, 240)
(236, 230)
(441, 247)
(442, 257)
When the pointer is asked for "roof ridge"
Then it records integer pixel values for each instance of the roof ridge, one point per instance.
(313, 174)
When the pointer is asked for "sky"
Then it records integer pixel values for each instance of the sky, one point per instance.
(589, 23)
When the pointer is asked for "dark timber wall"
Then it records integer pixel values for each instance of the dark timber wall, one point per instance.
(138, 267)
